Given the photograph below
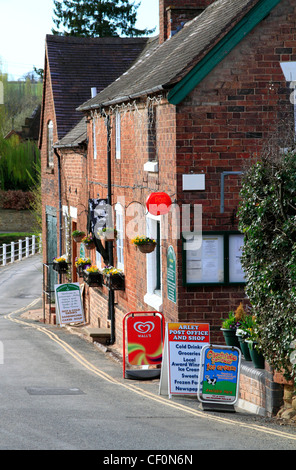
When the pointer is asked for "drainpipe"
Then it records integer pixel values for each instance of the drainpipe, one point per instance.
(60, 206)
(110, 243)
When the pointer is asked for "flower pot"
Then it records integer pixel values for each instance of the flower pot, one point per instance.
(244, 348)
(256, 356)
(60, 267)
(147, 247)
(93, 279)
(114, 281)
(230, 337)
(90, 245)
(78, 238)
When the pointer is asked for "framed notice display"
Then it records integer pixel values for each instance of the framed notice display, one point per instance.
(206, 263)
(215, 260)
(236, 272)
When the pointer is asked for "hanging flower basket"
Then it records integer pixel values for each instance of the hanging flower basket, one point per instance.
(93, 277)
(78, 236)
(113, 278)
(144, 244)
(88, 242)
(60, 265)
(81, 264)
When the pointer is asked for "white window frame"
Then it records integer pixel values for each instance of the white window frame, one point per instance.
(117, 135)
(120, 236)
(153, 297)
(94, 139)
(50, 144)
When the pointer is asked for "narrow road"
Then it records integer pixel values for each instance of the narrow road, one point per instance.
(60, 392)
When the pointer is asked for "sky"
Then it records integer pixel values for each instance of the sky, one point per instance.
(25, 23)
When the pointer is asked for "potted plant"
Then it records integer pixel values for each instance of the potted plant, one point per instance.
(78, 235)
(144, 244)
(107, 233)
(229, 327)
(60, 264)
(243, 333)
(88, 242)
(93, 276)
(253, 343)
(113, 278)
(81, 264)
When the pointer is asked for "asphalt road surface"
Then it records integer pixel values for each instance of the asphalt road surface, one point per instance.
(60, 392)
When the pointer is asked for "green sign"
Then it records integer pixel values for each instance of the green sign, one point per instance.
(69, 303)
(171, 275)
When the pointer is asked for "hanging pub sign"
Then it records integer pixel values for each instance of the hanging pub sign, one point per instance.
(143, 332)
(219, 375)
(181, 357)
(158, 203)
(69, 303)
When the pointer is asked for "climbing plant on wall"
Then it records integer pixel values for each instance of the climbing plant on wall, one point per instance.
(267, 215)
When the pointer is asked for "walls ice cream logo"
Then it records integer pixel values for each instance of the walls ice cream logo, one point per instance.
(144, 327)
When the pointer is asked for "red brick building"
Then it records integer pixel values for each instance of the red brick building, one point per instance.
(184, 119)
(74, 70)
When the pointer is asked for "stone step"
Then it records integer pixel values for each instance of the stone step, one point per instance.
(100, 335)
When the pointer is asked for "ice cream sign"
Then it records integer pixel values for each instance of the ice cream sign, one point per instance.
(219, 374)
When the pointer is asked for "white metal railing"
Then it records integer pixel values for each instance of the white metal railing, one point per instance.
(16, 251)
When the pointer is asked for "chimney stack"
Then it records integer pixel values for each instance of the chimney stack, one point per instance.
(173, 14)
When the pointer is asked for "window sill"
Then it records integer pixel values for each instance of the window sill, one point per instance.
(154, 301)
(49, 170)
(151, 167)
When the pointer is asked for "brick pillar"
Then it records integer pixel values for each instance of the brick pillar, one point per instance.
(172, 13)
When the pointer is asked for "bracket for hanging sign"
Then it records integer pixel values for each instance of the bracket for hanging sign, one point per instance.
(143, 336)
(219, 377)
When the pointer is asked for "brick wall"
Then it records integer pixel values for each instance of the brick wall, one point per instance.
(221, 125)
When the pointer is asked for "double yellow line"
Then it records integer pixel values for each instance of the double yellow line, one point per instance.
(136, 389)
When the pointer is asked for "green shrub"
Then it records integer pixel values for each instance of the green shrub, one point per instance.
(267, 217)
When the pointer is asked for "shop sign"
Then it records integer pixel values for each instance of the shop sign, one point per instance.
(171, 275)
(158, 203)
(69, 303)
(219, 374)
(144, 332)
(181, 358)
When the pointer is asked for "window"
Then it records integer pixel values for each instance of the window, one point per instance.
(153, 297)
(152, 164)
(151, 134)
(118, 135)
(94, 139)
(215, 258)
(50, 144)
(120, 236)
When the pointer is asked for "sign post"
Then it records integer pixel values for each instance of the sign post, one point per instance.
(69, 304)
(144, 332)
(219, 377)
(181, 361)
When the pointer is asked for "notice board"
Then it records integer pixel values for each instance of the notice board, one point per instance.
(181, 358)
(69, 303)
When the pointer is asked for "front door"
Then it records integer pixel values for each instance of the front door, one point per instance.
(51, 250)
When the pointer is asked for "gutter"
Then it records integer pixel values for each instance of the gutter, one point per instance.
(122, 99)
